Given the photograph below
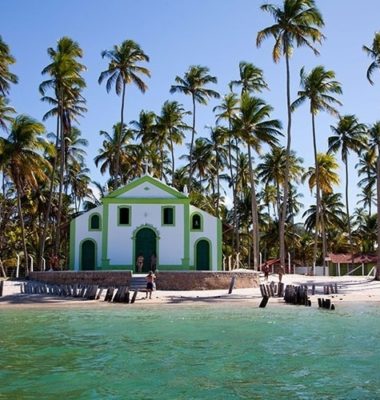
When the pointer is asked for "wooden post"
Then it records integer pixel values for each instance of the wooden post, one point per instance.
(264, 302)
(1, 287)
(134, 296)
(313, 290)
(232, 284)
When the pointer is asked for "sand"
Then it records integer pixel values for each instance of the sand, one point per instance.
(350, 289)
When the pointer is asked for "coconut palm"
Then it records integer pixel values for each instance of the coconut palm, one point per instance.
(226, 111)
(251, 78)
(113, 145)
(5, 113)
(123, 69)
(171, 126)
(374, 144)
(253, 126)
(318, 87)
(193, 83)
(297, 23)
(367, 167)
(6, 77)
(21, 160)
(66, 82)
(348, 134)
(374, 53)
(322, 177)
(271, 170)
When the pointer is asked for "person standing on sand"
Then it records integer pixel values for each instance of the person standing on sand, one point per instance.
(149, 284)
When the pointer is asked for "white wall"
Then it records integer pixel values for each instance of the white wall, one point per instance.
(120, 243)
(82, 232)
(209, 231)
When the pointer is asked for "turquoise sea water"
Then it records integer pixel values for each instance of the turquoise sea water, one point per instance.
(198, 352)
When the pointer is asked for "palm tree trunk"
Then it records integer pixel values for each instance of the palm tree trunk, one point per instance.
(50, 201)
(378, 213)
(287, 165)
(348, 218)
(60, 194)
(117, 158)
(317, 191)
(172, 155)
(18, 188)
(255, 219)
(232, 185)
(324, 243)
(191, 148)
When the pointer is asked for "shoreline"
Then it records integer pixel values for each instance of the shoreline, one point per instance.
(351, 289)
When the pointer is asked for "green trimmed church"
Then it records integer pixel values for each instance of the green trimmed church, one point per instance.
(146, 218)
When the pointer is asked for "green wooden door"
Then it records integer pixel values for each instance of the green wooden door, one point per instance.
(88, 260)
(203, 255)
(145, 245)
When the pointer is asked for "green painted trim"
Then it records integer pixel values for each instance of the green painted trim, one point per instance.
(144, 201)
(89, 221)
(80, 253)
(105, 260)
(141, 181)
(191, 222)
(209, 249)
(162, 216)
(72, 244)
(118, 216)
(186, 236)
(219, 245)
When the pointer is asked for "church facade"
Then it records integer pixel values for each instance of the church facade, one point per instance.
(148, 219)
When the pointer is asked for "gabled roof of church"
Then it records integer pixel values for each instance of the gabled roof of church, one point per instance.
(148, 182)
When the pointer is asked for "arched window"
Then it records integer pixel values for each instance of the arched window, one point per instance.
(95, 222)
(196, 222)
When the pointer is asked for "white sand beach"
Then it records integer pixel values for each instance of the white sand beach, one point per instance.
(350, 289)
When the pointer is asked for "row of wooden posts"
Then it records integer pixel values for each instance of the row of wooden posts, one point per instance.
(120, 294)
(296, 294)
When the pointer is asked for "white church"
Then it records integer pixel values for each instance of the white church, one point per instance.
(144, 218)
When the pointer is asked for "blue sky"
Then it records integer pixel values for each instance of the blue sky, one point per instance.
(179, 33)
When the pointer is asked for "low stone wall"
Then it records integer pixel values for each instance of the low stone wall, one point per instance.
(205, 280)
(166, 280)
(102, 278)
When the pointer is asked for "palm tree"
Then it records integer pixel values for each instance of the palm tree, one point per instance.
(318, 87)
(322, 178)
(171, 126)
(226, 111)
(271, 170)
(193, 83)
(67, 83)
(367, 167)
(374, 53)
(296, 23)
(348, 135)
(253, 126)
(5, 113)
(21, 160)
(374, 144)
(112, 145)
(6, 77)
(251, 78)
(123, 69)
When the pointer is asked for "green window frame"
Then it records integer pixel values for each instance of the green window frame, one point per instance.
(196, 222)
(93, 226)
(168, 216)
(124, 216)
